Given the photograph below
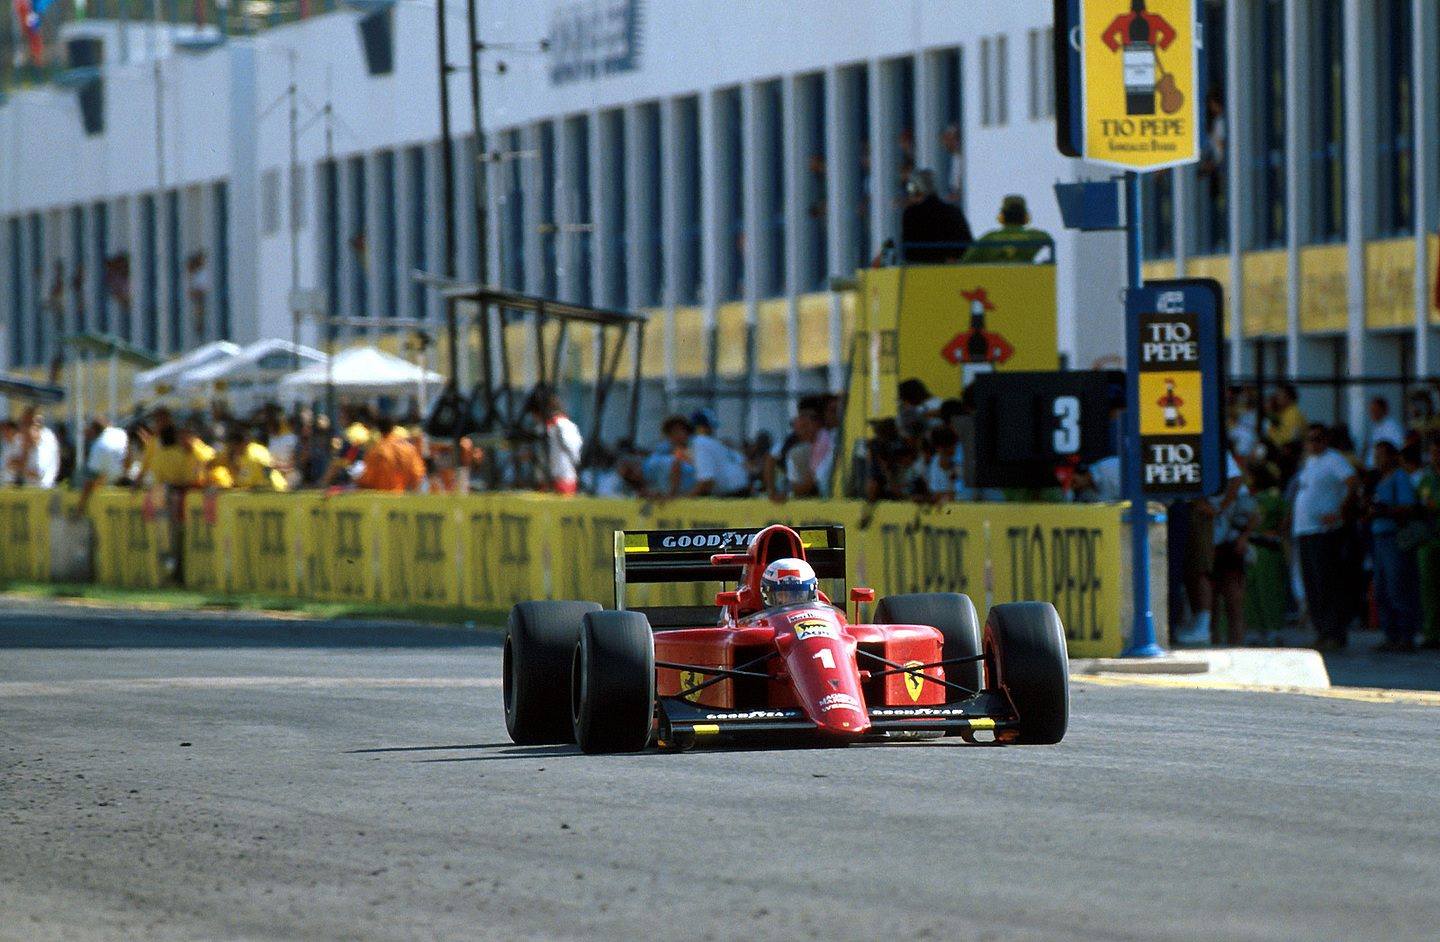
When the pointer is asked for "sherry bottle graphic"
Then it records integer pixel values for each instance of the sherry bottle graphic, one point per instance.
(1138, 62)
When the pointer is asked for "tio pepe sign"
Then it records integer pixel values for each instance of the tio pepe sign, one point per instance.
(1141, 95)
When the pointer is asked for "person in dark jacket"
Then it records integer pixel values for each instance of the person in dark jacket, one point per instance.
(933, 232)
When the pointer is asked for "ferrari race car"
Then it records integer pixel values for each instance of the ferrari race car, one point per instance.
(622, 680)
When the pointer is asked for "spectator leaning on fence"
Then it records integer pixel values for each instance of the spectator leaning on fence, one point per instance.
(392, 462)
(106, 461)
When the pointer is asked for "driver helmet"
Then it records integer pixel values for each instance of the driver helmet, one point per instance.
(789, 582)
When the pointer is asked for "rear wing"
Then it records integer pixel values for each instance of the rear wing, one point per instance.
(653, 556)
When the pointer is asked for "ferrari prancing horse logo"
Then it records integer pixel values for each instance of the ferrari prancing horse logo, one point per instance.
(914, 683)
(690, 679)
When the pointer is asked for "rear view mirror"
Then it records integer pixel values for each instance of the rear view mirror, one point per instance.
(727, 599)
(862, 595)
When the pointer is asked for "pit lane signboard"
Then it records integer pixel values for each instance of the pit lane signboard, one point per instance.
(1131, 91)
(1173, 328)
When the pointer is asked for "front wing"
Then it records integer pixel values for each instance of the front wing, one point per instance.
(989, 710)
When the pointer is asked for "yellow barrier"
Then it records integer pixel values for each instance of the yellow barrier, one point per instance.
(487, 552)
(25, 534)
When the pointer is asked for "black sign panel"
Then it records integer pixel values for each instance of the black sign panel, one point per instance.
(1027, 424)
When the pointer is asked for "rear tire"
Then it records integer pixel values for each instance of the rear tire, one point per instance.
(613, 682)
(539, 645)
(954, 615)
(1026, 646)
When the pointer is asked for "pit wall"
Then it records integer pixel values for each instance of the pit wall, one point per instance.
(487, 552)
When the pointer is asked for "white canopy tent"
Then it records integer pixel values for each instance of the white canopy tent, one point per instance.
(164, 377)
(248, 378)
(361, 371)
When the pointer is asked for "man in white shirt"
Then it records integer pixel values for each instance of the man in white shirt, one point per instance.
(563, 442)
(1383, 428)
(105, 463)
(1324, 483)
(719, 469)
(40, 453)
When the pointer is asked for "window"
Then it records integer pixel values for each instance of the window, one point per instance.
(149, 254)
(546, 195)
(994, 81)
(814, 182)
(16, 298)
(951, 171)
(1327, 110)
(101, 297)
(512, 212)
(270, 202)
(770, 165)
(389, 236)
(732, 193)
(415, 161)
(1042, 74)
(175, 291)
(687, 201)
(578, 130)
(858, 80)
(358, 241)
(1268, 166)
(1158, 192)
(78, 270)
(222, 259)
(1395, 121)
(613, 202)
(651, 250)
(1212, 186)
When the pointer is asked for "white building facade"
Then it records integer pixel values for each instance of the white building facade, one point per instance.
(717, 165)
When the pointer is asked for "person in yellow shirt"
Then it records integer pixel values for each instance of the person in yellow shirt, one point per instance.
(1287, 422)
(180, 458)
(246, 464)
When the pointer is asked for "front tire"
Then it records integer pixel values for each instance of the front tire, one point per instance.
(613, 682)
(1026, 646)
(954, 615)
(540, 641)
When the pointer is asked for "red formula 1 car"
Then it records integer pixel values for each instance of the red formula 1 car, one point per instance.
(619, 681)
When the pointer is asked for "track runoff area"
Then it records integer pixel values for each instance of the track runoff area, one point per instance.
(208, 775)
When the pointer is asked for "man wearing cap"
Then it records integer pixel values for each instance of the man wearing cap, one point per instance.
(1014, 241)
(933, 232)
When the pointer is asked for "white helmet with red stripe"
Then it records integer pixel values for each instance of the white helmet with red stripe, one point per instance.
(789, 582)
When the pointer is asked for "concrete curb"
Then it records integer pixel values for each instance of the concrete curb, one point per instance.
(1300, 668)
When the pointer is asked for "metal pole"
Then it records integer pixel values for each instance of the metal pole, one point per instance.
(447, 151)
(293, 92)
(482, 197)
(1142, 632)
(331, 197)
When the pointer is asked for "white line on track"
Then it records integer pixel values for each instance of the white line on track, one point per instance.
(62, 688)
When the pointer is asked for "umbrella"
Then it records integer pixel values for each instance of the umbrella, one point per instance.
(363, 371)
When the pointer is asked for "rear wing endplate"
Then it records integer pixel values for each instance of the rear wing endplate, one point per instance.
(656, 556)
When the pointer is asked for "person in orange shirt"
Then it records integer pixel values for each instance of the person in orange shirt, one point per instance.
(392, 463)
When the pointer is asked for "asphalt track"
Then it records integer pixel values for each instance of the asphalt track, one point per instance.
(217, 776)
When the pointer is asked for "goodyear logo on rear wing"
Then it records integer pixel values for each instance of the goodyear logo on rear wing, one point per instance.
(715, 541)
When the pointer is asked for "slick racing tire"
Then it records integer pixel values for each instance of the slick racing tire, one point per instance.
(954, 615)
(612, 683)
(1026, 646)
(539, 644)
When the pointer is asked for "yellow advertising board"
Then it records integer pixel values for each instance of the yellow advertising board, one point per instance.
(1324, 282)
(1142, 99)
(1390, 283)
(1267, 279)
